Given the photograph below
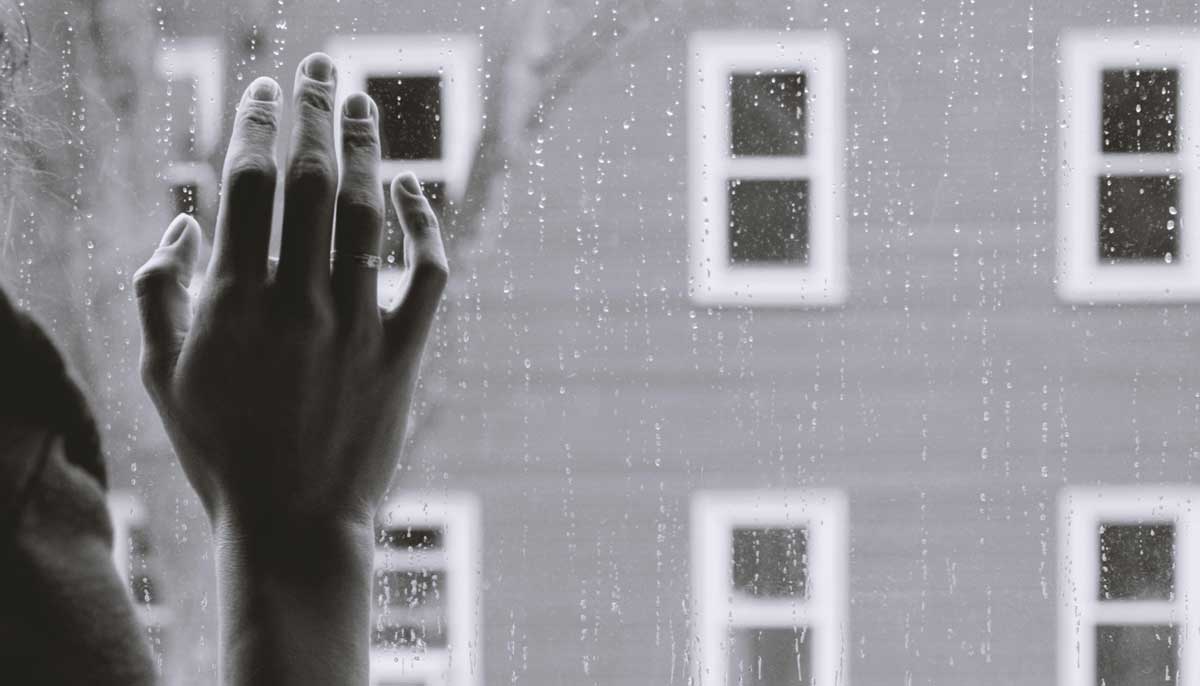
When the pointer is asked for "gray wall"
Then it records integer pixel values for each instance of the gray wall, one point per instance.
(583, 398)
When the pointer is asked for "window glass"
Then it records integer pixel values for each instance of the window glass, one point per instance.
(711, 262)
(767, 114)
(410, 109)
(770, 562)
(181, 125)
(771, 657)
(768, 222)
(1140, 218)
(185, 197)
(1137, 562)
(1136, 655)
(1140, 110)
(1125, 176)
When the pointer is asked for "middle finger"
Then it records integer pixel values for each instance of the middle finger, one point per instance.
(311, 182)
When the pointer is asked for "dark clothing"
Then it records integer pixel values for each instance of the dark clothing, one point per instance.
(65, 616)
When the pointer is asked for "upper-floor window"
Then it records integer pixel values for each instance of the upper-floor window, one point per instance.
(1127, 580)
(193, 71)
(136, 559)
(765, 215)
(428, 93)
(425, 627)
(1128, 173)
(769, 587)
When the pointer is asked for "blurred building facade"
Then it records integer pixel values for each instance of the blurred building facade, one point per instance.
(787, 343)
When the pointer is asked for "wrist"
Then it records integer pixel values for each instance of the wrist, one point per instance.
(294, 584)
(319, 548)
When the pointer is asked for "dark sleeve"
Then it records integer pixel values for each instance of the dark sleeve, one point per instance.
(38, 395)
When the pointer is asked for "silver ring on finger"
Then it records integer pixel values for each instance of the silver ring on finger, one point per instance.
(360, 259)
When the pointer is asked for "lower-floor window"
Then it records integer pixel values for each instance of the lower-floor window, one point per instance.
(769, 587)
(1126, 586)
(425, 597)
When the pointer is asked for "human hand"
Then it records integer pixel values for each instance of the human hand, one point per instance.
(287, 393)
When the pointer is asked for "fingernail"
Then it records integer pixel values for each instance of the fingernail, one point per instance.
(358, 106)
(408, 181)
(319, 67)
(174, 231)
(264, 89)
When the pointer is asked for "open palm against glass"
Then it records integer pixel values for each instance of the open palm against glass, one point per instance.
(286, 391)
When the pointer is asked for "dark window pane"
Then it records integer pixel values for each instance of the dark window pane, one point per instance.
(184, 198)
(1139, 218)
(145, 590)
(393, 234)
(768, 222)
(386, 634)
(181, 119)
(771, 657)
(139, 543)
(771, 562)
(1136, 655)
(1137, 562)
(410, 108)
(767, 114)
(411, 538)
(1139, 110)
(406, 589)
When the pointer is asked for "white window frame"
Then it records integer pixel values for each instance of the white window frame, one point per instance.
(456, 58)
(713, 57)
(457, 515)
(202, 60)
(1083, 277)
(1081, 511)
(718, 610)
(127, 511)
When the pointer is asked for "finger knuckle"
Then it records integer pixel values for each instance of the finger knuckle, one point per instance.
(420, 219)
(312, 171)
(315, 97)
(360, 135)
(258, 119)
(360, 205)
(432, 270)
(252, 169)
(307, 312)
(151, 276)
(223, 293)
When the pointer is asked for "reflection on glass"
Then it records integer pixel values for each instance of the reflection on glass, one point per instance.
(1137, 562)
(771, 657)
(1139, 110)
(768, 221)
(1136, 655)
(767, 114)
(410, 110)
(1139, 218)
(771, 562)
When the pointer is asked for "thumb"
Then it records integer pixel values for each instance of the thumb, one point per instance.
(163, 300)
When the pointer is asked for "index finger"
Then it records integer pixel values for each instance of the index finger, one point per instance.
(243, 230)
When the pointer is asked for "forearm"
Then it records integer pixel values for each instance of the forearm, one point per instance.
(294, 607)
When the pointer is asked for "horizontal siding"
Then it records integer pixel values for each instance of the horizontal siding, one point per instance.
(577, 391)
